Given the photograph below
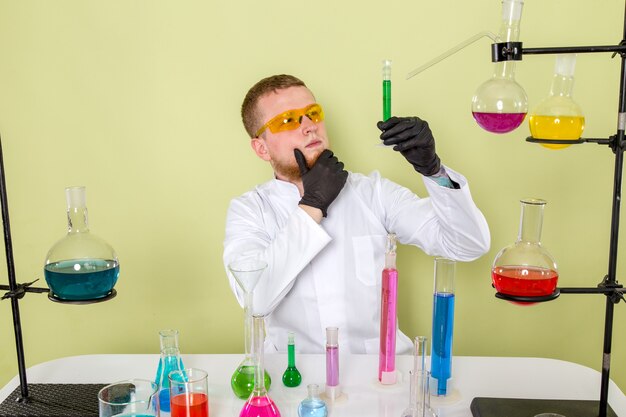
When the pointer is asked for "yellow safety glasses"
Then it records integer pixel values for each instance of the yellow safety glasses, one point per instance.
(291, 119)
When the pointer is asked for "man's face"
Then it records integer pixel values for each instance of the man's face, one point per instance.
(277, 148)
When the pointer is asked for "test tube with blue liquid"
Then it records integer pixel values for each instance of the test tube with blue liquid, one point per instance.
(443, 324)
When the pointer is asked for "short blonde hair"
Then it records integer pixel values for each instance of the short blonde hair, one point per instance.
(250, 114)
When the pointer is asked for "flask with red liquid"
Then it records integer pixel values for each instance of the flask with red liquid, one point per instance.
(525, 271)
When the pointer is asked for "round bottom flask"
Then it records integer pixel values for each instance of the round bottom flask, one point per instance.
(81, 267)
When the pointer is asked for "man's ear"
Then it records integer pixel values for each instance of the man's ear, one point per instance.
(260, 148)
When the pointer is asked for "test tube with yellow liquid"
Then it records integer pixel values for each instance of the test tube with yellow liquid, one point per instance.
(559, 117)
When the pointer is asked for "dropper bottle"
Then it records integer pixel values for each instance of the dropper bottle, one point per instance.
(291, 377)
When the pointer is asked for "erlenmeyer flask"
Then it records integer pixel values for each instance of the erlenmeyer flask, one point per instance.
(247, 274)
(259, 404)
(81, 266)
(170, 361)
(559, 116)
(500, 103)
(525, 268)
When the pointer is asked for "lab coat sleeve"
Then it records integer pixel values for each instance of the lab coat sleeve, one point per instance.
(287, 250)
(447, 224)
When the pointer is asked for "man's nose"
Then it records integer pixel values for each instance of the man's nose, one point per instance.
(307, 125)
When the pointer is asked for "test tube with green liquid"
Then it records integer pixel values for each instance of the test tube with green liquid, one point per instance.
(386, 89)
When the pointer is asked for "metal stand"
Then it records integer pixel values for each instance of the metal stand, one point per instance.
(609, 286)
(49, 398)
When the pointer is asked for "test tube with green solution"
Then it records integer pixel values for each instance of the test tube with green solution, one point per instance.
(386, 89)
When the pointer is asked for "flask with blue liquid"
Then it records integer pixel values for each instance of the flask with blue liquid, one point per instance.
(81, 267)
(313, 405)
(170, 361)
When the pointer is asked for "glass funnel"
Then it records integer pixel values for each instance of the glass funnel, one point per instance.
(81, 266)
(525, 268)
(247, 274)
(559, 116)
(500, 104)
(259, 404)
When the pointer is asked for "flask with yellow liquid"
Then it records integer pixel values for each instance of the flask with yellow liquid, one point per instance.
(558, 116)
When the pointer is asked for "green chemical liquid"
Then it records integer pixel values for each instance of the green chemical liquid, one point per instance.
(291, 377)
(386, 100)
(242, 381)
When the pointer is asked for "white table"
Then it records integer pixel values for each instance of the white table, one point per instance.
(472, 377)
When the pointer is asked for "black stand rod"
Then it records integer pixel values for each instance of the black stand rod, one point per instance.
(8, 247)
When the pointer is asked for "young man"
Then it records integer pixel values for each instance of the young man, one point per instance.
(322, 230)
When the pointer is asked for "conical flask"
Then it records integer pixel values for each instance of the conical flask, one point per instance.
(559, 116)
(247, 274)
(169, 361)
(500, 104)
(81, 266)
(526, 268)
(259, 404)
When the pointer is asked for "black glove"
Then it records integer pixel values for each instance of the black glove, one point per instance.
(413, 139)
(323, 181)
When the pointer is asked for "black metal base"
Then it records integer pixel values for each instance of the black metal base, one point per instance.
(522, 407)
(528, 300)
(53, 400)
(107, 297)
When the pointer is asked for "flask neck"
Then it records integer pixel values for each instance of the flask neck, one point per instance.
(291, 355)
(531, 221)
(390, 252)
(258, 337)
(562, 86)
(77, 220)
(504, 70)
(168, 339)
(247, 324)
(511, 17)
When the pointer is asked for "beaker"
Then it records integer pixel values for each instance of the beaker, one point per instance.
(559, 116)
(312, 405)
(247, 273)
(500, 104)
(388, 316)
(170, 361)
(189, 393)
(135, 397)
(526, 268)
(443, 323)
(291, 376)
(81, 266)
(259, 404)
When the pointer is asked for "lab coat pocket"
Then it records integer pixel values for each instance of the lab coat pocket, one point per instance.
(369, 255)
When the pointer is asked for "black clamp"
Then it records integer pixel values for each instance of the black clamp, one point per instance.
(21, 290)
(506, 51)
(617, 293)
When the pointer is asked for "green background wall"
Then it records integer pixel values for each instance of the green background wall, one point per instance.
(139, 101)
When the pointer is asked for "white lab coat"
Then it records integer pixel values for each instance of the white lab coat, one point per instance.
(329, 274)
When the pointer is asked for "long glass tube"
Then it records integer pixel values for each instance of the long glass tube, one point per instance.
(333, 389)
(443, 323)
(388, 321)
(386, 89)
(259, 404)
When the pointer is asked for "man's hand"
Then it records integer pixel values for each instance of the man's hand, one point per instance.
(414, 140)
(323, 181)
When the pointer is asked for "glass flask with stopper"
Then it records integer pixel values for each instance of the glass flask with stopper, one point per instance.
(81, 266)
(525, 271)
(312, 405)
(170, 361)
(291, 376)
(247, 273)
(259, 404)
(559, 117)
(500, 104)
